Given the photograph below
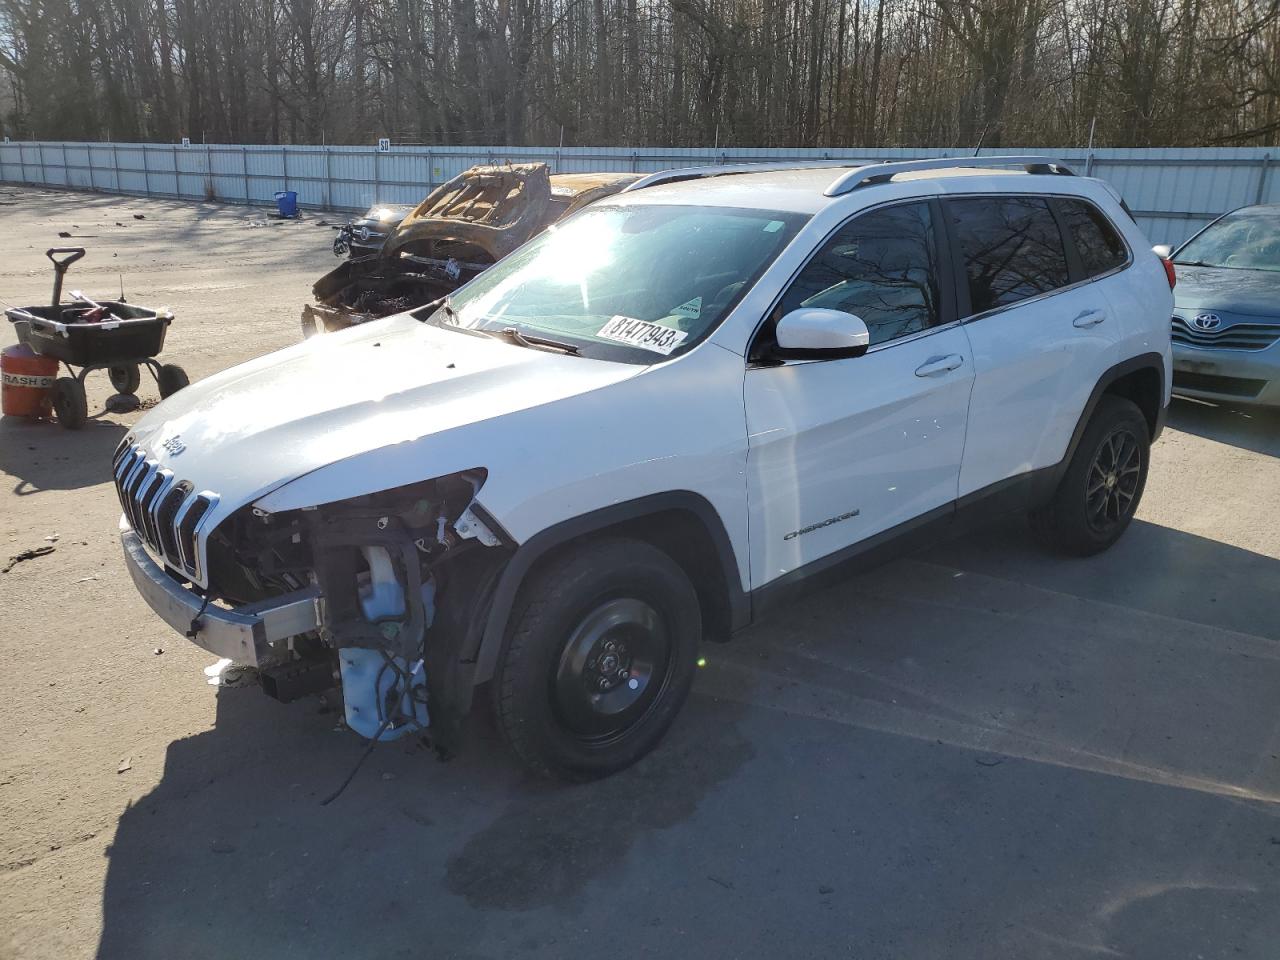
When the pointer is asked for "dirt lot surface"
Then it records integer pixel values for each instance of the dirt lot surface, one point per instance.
(982, 751)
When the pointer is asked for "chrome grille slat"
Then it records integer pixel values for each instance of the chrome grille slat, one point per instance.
(157, 503)
(131, 484)
(146, 500)
(123, 469)
(1235, 336)
(166, 513)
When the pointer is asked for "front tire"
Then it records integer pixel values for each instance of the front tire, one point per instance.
(1103, 485)
(599, 659)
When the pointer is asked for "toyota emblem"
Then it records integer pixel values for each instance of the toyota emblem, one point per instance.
(1207, 321)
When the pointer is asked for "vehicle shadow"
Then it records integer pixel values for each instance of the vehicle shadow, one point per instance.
(40, 455)
(1253, 428)
(956, 759)
(1151, 568)
(233, 848)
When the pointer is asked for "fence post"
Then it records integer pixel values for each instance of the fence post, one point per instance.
(328, 177)
(115, 164)
(244, 165)
(88, 149)
(1263, 170)
(146, 173)
(66, 168)
(208, 170)
(44, 180)
(284, 165)
(377, 175)
(177, 178)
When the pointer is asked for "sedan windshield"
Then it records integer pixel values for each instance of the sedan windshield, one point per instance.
(633, 283)
(1245, 241)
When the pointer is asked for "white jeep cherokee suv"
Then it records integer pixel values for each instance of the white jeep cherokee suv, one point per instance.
(646, 427)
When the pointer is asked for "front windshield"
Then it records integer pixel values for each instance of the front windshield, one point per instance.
(634, 283)
(1244, 241)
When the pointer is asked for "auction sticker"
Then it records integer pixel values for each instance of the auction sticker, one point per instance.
(643, 334)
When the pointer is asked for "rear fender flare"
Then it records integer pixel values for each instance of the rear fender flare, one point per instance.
(1049, 480)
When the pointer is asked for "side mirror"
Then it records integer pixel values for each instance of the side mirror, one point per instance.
(1162, 250)
(813, 333)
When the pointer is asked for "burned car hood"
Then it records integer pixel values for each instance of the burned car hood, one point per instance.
(250, 429)
(1252, 292)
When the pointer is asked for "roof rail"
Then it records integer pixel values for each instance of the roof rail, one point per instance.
(725, 169)
(861, 173)
(883, 172)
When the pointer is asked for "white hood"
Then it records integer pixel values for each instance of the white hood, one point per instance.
(257, 426)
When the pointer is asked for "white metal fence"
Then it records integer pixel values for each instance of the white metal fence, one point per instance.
(1172, 191)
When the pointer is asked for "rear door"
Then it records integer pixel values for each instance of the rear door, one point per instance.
(1041, 333)
(843, 449)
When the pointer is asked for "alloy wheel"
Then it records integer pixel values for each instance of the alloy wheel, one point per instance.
(1111, 483)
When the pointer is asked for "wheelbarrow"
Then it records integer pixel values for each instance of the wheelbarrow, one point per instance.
(110, 335)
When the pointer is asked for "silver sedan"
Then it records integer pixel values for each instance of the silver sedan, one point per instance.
(1226, 318)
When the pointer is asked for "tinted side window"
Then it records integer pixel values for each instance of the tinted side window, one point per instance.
(883, 267)
(1100, 247)
(1012, 249)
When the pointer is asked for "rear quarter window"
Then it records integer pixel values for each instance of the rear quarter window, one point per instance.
(1099, 244)
(1012, 249)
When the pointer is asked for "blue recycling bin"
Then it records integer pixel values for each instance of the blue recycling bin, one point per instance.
(287, 203)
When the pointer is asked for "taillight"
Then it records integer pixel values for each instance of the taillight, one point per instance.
(1169, 272)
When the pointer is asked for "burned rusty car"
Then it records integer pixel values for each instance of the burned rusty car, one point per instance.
(460, 229)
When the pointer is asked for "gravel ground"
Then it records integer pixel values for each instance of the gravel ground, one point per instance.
(981, 751)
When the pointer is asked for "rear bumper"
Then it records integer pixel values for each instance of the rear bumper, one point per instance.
(249, 634)
(1228, 376)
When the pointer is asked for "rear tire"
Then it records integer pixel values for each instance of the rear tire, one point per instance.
(1103, 484)
(125, 377)
(69, 403)
(599, 659)
(171, 379)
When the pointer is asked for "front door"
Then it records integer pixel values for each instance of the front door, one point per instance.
(840, 450)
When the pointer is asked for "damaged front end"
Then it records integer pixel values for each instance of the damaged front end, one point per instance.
(398, 584)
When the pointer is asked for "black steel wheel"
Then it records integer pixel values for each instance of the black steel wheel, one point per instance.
(611, 670)
(1100, 490)
(70, 405)
(125, 377)
(171, 379)
(599, 659)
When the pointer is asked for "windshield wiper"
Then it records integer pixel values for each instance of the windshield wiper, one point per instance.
(512, 335)
(1192, 263)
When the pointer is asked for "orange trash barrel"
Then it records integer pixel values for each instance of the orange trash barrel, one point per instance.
(27, 388)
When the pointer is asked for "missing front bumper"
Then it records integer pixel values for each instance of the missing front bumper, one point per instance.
(249, 634)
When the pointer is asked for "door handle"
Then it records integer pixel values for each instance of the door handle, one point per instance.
(1089, 318)
(935, 366)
